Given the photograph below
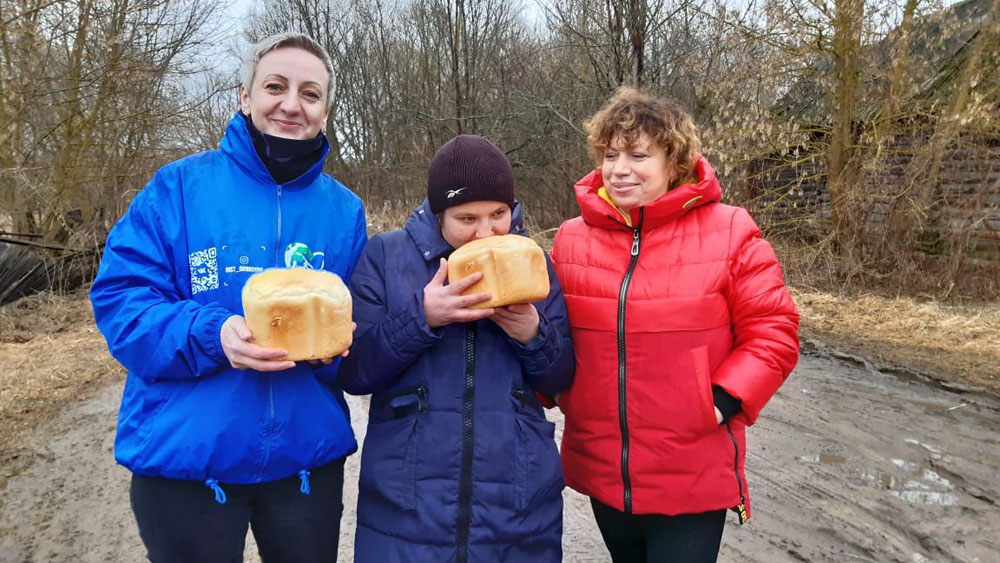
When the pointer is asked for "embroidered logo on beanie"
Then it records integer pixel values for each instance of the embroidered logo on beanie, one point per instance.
(469, 168)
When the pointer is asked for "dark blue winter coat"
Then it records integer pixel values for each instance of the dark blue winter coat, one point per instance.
(459, 462)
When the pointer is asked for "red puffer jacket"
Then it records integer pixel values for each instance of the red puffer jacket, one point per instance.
(689, 297)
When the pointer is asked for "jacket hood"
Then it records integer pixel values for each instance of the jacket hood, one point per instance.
(423, 228)
(238, 145)
(598, 211)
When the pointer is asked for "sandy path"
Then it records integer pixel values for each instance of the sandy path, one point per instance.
(845, 465)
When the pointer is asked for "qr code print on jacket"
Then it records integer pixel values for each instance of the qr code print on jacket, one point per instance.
(204, 270)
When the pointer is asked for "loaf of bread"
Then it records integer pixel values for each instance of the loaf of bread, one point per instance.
(513, 269)
(306, 312)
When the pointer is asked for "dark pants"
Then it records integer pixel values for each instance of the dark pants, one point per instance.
(180, 521)
(658, 538)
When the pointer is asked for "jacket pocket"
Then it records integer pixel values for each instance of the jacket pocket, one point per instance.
(388, 463)
(705, 421)
(160, 397)
(538, 475)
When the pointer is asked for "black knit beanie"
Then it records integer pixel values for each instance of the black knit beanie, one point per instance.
(469, 168)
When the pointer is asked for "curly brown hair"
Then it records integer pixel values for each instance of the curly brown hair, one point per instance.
(630, 113)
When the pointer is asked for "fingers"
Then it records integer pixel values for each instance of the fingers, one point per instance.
(511, 312)
(247, 355)
(242, 330)
(468, 315)
(238, 326)
(465, 283)
(518, 308)
(265, 365)
(466, 301)
(254, 351)
(440, 275)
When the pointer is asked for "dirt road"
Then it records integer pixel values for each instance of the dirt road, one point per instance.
(846, 464)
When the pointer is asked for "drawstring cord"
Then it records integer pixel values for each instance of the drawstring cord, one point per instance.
(220, 495)
(304, 478)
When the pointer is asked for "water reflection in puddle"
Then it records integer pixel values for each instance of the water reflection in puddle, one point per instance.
(906, 480)
(926, 497)
(821, 458)
(918, 488)
(935, 453)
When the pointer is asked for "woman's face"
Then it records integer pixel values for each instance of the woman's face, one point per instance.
(637, 175)
(474, 220)
(288, 95)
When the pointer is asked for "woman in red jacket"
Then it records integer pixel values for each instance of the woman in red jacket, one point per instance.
(683, 329)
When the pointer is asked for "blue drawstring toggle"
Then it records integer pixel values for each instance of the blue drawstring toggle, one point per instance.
(304, 477)
(220, 495)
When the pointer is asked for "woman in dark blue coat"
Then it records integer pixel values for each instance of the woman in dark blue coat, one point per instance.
(459, 463)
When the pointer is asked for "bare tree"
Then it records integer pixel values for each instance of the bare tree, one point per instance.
(85, 87)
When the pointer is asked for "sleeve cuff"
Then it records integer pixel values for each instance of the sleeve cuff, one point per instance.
(726, 403)
(212, 336)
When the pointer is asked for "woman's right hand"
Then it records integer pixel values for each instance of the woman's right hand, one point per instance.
(243, 354)
(445, 304)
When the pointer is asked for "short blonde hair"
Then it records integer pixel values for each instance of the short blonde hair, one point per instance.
(278, 41)
(630, 113)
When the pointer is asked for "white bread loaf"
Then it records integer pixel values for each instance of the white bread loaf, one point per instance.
(307, 312)
(513, 269)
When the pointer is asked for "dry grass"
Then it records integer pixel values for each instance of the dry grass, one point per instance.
(951, 343)
(50, 354)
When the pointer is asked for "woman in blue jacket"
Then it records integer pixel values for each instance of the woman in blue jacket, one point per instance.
(459, 463)
(218, 432)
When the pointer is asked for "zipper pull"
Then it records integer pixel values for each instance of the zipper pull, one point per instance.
(742, 511)
(635, 242)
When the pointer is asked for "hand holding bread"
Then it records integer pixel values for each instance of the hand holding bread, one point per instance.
(496, 277)
(244, 354)
(446, 304)
(304, 312)
(519, 320)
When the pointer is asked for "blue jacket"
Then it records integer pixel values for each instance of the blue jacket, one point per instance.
(172, 273)
(459, 463)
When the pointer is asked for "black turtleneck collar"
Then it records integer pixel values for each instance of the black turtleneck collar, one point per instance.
(285, 159)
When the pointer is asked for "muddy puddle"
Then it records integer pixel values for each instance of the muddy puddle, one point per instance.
(845, 464)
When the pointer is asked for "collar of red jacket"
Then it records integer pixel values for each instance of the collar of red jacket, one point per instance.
(601, 213)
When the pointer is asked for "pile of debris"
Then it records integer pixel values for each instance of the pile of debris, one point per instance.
(28, 266)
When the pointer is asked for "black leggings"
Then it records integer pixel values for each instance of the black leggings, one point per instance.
(181, 520)
(658, 538)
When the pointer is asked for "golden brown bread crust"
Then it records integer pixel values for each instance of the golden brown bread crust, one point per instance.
(513, 269)
(306, 312)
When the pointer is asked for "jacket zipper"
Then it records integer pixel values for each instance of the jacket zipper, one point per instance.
(277, 240)
(622, 410)
(742, 508)
(465, 478)
(270, 377)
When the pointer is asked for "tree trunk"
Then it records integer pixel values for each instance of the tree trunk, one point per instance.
(841, 167)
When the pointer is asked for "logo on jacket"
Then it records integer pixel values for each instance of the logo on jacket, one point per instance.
(298, 255)
(452, 193)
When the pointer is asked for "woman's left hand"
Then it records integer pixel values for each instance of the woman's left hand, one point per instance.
(519, 321)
